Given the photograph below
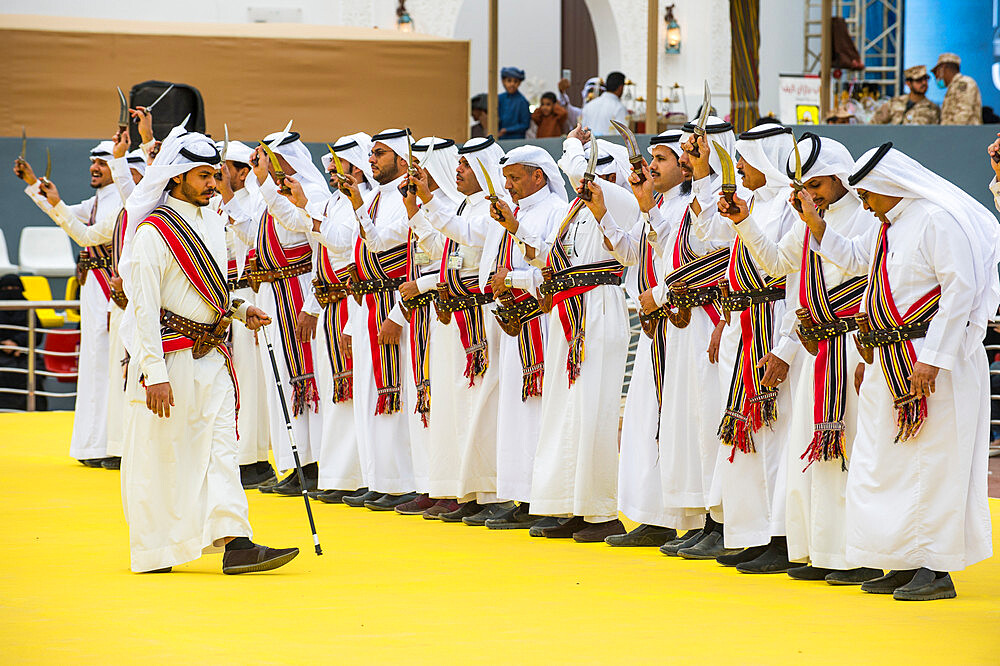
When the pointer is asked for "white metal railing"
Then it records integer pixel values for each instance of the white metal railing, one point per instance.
(994, 398)
(32, 351)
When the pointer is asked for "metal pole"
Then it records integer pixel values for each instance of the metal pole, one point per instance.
(652, 51)
(493, 75)
(31, 361)
(826, 57)
(291, 440)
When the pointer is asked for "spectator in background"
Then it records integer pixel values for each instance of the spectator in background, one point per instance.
(592, 89)
(962, 104)
(12, 337)
(572, 112)
(479, 114)
(515, 116)
(598, 114)
(549, 117)
(913, 108)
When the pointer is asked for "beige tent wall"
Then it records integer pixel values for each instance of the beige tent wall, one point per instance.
(59, 75)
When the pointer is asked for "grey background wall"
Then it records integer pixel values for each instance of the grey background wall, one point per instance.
(957, 153)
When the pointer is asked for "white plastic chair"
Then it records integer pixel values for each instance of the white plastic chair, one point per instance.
(46, 251)
(5, 265)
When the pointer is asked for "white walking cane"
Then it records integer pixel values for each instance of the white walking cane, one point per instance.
(291, 439)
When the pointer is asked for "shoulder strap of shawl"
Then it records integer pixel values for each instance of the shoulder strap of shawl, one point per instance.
(192, 256)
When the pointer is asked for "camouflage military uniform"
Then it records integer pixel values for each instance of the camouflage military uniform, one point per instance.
(962, 104)
(898, 112)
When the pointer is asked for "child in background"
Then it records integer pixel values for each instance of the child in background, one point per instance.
(515, 117)
(550, 117)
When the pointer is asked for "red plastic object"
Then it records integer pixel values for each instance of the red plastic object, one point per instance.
(64, 340)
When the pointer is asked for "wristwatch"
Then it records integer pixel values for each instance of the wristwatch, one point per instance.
(508, 281)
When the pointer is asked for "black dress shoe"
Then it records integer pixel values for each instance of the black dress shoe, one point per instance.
(518, 518)
(740, 556)
(489, 511)
(258, 558)
(537, 529)
(389, 502)
(926, 585)
(463, 510)
(268, 487)
(333, 496)
(292, 487)
(359, 500)
(773, 560)
(709, 547)
(809, 572)
(112, 462)
(252, 476)
(93, 462)
(689, 538)
(644, 535)
(888, 583)
(853, 576)
(163, 570)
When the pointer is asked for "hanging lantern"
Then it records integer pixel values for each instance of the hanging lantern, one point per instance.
(673, 45)
(404, 22)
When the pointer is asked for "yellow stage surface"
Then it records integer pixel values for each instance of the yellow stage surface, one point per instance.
(398, 589)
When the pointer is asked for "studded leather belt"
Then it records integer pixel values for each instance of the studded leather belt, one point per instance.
(256, 277)
(329, 293)
(455, 304)
(741, 300)
(375, 286)
(888, 336)
(826, 330)
(694, 297)
(564, 282)
(206, 337)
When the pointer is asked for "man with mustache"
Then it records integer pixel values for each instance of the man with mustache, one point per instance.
(89, 442)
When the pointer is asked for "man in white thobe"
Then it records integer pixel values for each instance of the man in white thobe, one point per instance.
(253, 422)
(575, 472)
(461, 440)
(333, 227)
(819, 448)
(689, 448)
(89, 442)
(754, 426)
(916, 493)
(536, 188)
(180, 481)
(640, 494)
(281, 271)
(381, 407)
(598, 113)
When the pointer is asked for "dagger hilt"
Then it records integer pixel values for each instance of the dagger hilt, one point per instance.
(443, 294)
(728, 192)
(864, 328)
(495, 208)
(681, 317)
(637, 170)
(806, 322)
(796, 204)
(694, 150)
(724, 293)
(545, 300)
(585, 192)
(412, 186)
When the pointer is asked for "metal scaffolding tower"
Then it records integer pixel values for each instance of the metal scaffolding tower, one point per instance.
(876, 26)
